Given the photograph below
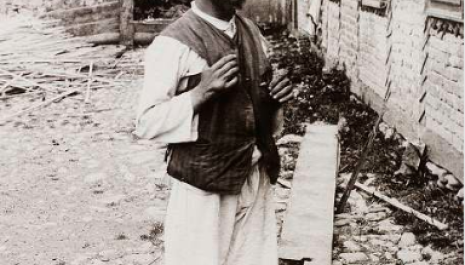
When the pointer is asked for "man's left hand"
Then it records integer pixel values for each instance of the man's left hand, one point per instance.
(281, 88)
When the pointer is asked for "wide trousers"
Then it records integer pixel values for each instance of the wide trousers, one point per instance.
(204, 228)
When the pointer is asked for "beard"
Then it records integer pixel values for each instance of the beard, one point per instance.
(236, 3)
(229, 5)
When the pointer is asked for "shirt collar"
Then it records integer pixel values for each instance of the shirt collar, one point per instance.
(216, 22)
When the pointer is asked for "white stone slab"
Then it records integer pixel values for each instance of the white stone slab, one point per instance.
(308, 225)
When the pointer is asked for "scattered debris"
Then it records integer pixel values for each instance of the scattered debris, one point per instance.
(38, 58)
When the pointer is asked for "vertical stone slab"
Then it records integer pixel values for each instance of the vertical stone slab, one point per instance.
(308, 226)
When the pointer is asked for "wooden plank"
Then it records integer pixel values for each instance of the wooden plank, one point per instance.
(151, 27)
(373, 3)
(448, 15)
(102, 26)
(450, 2)
(308, 225)
(104, 38)
(450, 10)
(82, 11)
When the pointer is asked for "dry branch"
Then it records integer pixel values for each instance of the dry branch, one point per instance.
(22, 95)
(39, 105)
(362, 160)
(400, 206)
(87, 98)
(41, 57)
(7, 84)
(31, 82)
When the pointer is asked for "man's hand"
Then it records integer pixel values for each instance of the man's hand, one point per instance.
(216, 79)
(281, 88)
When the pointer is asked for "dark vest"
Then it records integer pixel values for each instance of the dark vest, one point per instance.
(231, 124)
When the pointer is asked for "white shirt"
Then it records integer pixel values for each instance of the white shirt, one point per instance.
(162, 114)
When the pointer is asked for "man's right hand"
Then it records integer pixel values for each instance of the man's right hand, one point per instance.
(222, 76)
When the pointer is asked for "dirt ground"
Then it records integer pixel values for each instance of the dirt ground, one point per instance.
(75, 186)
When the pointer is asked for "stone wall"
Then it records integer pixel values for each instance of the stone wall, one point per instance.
(396, 48)
(373, 52)
(444, 87)
(348, 39)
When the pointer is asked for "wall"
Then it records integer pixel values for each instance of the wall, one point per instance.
(302, 10)
(444, 86)
(396, 48)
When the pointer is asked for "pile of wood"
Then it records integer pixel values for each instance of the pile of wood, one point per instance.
(39, 57)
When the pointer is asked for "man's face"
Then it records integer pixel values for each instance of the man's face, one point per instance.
(229, 5)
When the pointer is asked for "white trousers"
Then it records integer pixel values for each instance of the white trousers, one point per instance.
(204, 228)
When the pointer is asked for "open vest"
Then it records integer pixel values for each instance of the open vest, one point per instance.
(232, 123)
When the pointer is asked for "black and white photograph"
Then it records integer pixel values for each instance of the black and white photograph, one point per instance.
(232, 132)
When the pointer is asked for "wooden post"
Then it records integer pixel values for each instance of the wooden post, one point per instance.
(295, 15)
(126, 27)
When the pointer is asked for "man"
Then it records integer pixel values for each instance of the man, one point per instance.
(207, 93)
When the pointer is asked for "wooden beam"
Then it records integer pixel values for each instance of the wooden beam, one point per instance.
(104, 38)
(126, 27)
(156, 26)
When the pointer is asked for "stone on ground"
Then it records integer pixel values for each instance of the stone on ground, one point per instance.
(407, 240)
(408, 256)
(289, 138)
(354, 258)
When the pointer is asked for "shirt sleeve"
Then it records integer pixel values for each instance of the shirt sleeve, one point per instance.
(162, 115)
